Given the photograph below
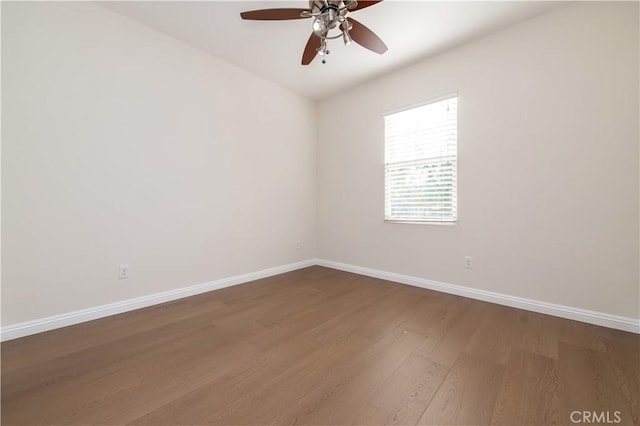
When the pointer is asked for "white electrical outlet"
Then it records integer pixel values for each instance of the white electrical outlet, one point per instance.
(123, 271)
(297, 245)
(468, 262)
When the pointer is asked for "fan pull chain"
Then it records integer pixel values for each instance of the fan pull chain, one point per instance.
(325, 53)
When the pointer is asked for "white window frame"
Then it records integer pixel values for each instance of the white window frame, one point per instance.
(447, 154)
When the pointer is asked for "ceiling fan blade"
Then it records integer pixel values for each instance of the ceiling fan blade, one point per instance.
(366, 38)
(273, 14)
(311, 49)
(363, 4)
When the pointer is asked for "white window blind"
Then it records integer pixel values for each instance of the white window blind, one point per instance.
(421, 163)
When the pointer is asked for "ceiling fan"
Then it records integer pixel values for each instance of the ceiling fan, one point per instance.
(327, 15)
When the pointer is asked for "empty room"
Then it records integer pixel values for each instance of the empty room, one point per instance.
(326, 212)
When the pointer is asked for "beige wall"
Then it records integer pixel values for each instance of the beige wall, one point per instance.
(122, 145)
(548, 164)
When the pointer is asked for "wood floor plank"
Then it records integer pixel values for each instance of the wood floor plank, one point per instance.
(529, 393)
(161, 385)
(390, 313)
(243, 378)
(320, 346)
(88, 388)
(350, 316)
(38, 377)
(468, 394)
(427, 316)
(75, 338)
(580, 334)
(323, 320)
(623, 339)
(132, 383)
(588, 382)
(537, 333)
(626, 365)
(402, 397)
(340, 396)
(452, 333)
(275, 396)
(23, 352)
(494, 335)
(343, 295)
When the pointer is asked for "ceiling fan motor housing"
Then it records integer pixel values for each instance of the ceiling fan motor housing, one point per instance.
(319, 5)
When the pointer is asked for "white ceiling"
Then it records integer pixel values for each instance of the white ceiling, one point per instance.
(413, 30)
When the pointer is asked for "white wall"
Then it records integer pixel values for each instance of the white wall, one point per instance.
(548, 164)
(122, 145)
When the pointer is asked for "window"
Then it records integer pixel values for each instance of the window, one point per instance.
(420, 163)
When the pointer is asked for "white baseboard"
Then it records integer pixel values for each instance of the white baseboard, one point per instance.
(583, 315)
(15, 331)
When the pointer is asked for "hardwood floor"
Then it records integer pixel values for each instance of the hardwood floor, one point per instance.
(319, 346)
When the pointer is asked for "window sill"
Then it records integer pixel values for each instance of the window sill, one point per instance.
(409, 222)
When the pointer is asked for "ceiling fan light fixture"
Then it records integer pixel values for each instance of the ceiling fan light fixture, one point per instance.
(346, 37)
(323, 47)
(319, 26)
